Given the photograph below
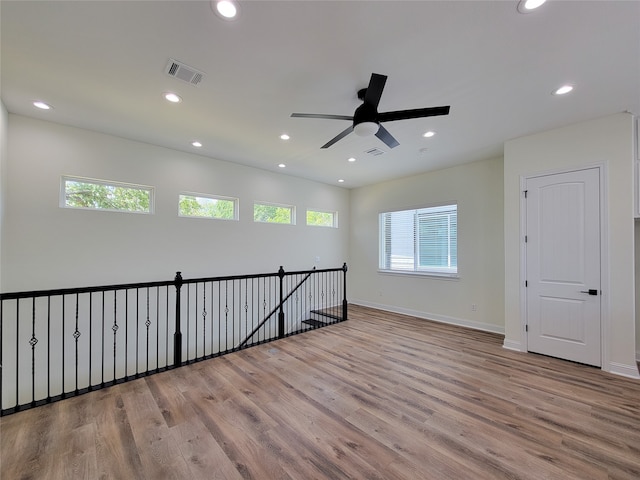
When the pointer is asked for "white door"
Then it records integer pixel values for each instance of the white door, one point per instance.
(563, 265)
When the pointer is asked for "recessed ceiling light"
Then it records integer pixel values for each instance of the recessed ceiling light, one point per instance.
(42, 105)
(196, 144)
(172, 97)
(284, 136)
(351, 159)
(527, 6)
(227, 9)
(429, 134)
(563, 90)
(281, 165)
(341, 180)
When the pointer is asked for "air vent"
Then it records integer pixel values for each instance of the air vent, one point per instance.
(184, 72)
(374, 151)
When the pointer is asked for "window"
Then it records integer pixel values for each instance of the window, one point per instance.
(321, 218)
(274, 213)
(208, 206)
(105, 195)
(423, 240)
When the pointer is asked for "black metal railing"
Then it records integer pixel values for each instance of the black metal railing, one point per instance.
(61, 343)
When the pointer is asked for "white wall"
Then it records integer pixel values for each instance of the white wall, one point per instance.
(477, 188)
(607, 141)
(4, 120)
(45, 246)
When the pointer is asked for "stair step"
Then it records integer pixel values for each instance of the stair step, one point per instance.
(334, 313)
(314, 323)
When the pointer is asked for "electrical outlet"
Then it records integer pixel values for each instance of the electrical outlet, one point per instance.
(474, 307)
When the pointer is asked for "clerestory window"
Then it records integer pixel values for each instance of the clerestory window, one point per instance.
(87, 193)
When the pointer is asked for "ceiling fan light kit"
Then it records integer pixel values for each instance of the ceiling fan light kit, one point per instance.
(366, 119)
(366, 129)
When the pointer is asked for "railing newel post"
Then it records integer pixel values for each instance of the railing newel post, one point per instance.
(177, 336)
(344, 292)
(281, 314)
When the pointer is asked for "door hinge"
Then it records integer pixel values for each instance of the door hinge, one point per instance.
(526, 283)
(526, 328)
(525, 193)
(526, 239)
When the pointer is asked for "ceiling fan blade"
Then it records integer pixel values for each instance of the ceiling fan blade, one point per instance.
(384, 135)
(320, 115)
(416, 113)
(374, 90)
(340, 136)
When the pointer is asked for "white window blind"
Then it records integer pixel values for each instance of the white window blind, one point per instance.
(420, 240)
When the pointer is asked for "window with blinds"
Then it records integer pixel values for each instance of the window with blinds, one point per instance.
(423, 240)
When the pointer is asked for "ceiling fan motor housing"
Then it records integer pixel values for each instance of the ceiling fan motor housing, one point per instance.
(365, 113)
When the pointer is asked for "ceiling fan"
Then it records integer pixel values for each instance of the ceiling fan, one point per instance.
(366, 119)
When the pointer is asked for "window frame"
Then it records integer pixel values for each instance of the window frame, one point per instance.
(109, 183)
(452, 272)
(234, 200)
(334, 217)
(292, 212)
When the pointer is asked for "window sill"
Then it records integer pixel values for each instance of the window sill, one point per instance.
(441, 276)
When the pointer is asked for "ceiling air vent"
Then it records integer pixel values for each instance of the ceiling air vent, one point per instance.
(374, 151)
(184, 72)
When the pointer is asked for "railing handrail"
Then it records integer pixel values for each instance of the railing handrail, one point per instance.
(74, 290)
(160, 283)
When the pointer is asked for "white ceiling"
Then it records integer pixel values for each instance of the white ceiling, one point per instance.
(101, 65)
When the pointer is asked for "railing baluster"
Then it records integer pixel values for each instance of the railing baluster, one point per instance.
(64, 337)
(212, 310)
(219, 320)
(2, 354)
(226, 315)
(33, 341)
(126, 334)
(90, 340)
(147, 324)
(48, 348)
(157, 329)
(104, 336)
(115, 331)
(76, 336)
(137, 330)
(189, 318)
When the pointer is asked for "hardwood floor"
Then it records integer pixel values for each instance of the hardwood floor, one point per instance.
(381, 396)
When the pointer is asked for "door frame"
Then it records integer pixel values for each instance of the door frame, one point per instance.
(604, 258)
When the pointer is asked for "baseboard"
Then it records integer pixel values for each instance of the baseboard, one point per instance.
(630, 371)
(512, 345)
(486, 327)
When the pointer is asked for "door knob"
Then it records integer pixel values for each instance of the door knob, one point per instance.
(591, 291)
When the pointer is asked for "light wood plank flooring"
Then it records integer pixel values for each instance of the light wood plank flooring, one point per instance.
(381, 396)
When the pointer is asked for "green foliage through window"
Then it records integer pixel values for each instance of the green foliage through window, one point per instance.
(273, 213)
(99, 195)
(207, 207)
(321, 219)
